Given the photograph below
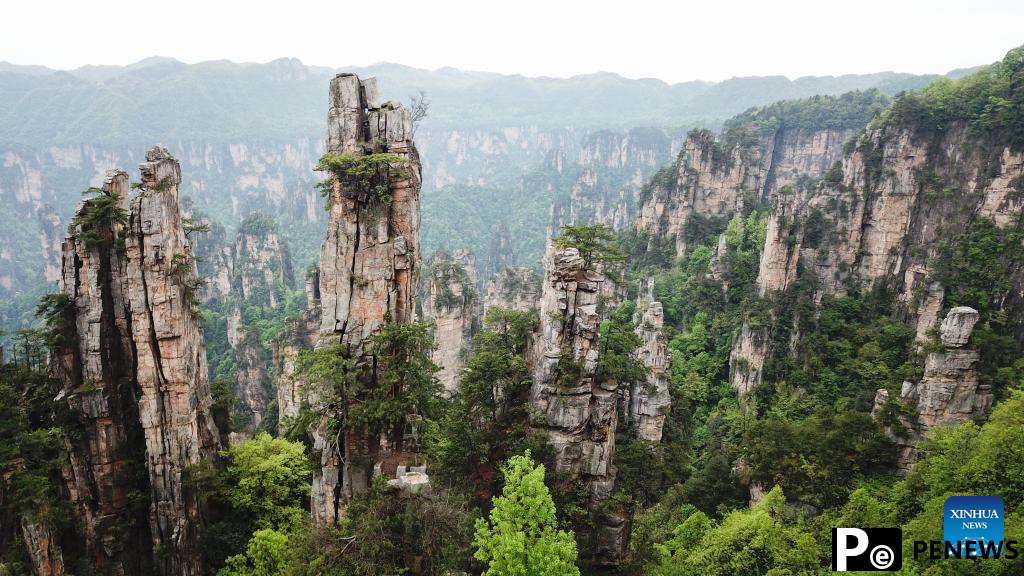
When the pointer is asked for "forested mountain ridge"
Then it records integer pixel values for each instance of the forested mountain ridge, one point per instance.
(809, 320)
(250, 133)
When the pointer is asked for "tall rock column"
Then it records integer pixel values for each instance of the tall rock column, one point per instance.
(948, 393)
(95, 363)
(369, 262)
(650, 401)
(133, 368)
(568, 400)
(170, 354)
(453, 305)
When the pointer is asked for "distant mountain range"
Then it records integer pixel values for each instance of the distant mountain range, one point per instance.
(163, 99)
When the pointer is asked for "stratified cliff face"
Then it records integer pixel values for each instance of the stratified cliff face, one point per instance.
(369, 265)
(884, 215)
(369, 262)
(262, 263)
(298, 334)
(96, 365)
(453, 305)
(650, 401)
(516, 288)
(252, 387)
(613, 168)
(714, 180)
(134, 373)
(568, 400)
(949, 392)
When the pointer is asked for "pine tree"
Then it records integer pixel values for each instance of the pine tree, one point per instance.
(521, 537)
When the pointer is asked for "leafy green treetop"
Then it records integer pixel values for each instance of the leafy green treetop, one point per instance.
(596, 243)
(521, 537)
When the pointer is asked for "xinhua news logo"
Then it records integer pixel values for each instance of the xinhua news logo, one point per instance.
(867, 549)
(972, 528)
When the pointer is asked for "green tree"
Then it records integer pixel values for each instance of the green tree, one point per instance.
(521, 537)
(596, 243)
(487, 418)
(266, 555)
(269, 478)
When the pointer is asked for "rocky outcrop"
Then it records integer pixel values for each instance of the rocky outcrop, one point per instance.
(298, 334)
(369, 266)
(514, 288)
(133, 368)
(882, 215)
(650, 401)
(43, 548)
(714, 180)
(453, 306)
(948, 393)
(576, 408)
(252, 388)
(262, 265)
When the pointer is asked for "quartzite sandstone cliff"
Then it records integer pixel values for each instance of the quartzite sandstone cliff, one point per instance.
(369, 270)
(133, 366)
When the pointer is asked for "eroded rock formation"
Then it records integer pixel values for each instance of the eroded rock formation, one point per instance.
(948, 393)
(369, 264)
(262, 264)
(882, 215)
(252, 387)
(576, 408)
(516, 288)
(453, 306)
(133, 368)
(650, 401)
(298, 334)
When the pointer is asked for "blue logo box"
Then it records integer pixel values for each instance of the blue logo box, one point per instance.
(974, 519)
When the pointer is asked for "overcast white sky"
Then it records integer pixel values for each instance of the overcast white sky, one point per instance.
(672, 40)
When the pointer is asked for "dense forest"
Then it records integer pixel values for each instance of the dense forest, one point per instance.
(813, 319)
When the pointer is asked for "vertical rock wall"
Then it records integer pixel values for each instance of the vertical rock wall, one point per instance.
(170, 367)
(576, 408)
(453, 305)
(369, 268)
(880, 218)
(949, 392)
(96, 366)
(650, 401)
(133, 366)
(516, 288)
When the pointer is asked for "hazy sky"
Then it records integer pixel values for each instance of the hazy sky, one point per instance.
(669, 39)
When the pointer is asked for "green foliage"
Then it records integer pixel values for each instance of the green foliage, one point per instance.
(487, 419)
(521, 535)
(189, 282)
(990, 101)
(94, 223)
(269, 479)
(267, 554)
(403, 381)
(369, 176)
(849, 111)
(445, 273)
(596, 243)
(257, 224)
(817, 460)
(193, 226)
(390, 531)
(617, 360)
(754, 541)
(853, 347)
(405, 378)
(55, 310)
